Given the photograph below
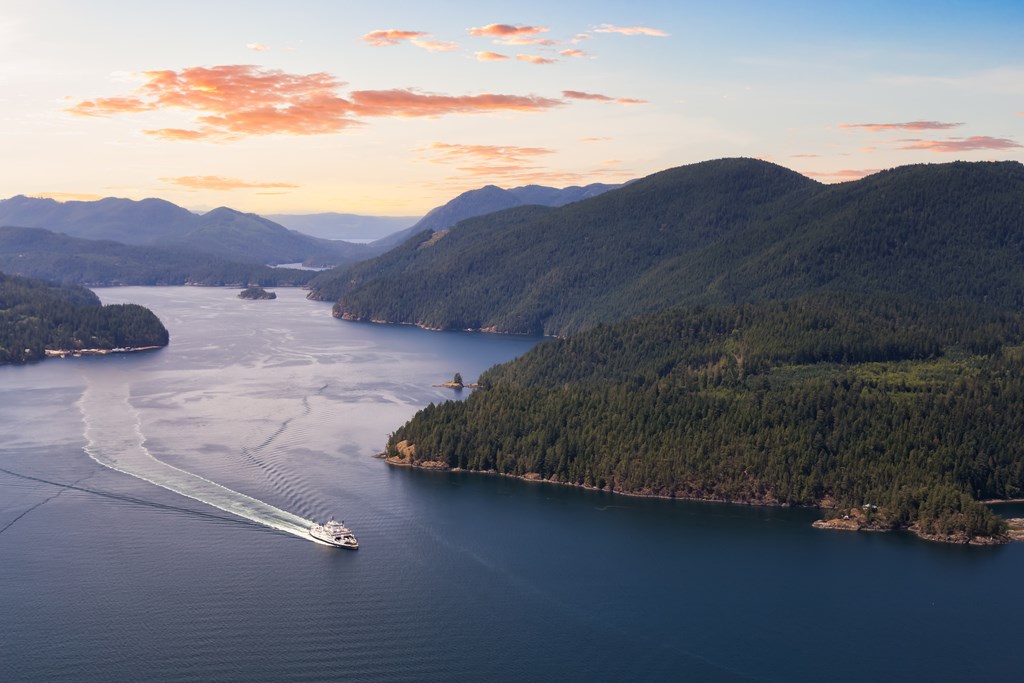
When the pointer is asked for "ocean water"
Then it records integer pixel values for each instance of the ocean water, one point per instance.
(153, 509)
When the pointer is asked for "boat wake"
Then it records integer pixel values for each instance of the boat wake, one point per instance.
(114, 439)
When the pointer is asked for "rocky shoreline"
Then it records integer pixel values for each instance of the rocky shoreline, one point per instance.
(856, 520)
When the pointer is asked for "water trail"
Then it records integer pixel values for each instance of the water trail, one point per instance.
(114, 439)
(283, 479)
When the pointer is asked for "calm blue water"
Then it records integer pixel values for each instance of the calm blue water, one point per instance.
(177, 552)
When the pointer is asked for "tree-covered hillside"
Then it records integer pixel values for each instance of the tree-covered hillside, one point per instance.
(36, 316)
(726, 231)
(33, 252)
(845, 399)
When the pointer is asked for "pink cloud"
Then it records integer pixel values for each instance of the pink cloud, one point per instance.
(573, 53)
(596, 97)
(234, 101)
(630, 30)
(434, 45)
(535, 59)
(506, 30)
(257, 47)
(953, 145)
(215, 182)
(445, 152)
(391, 36)
(909, 125)
(490, 57)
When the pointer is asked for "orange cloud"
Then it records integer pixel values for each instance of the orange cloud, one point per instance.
(909, 125)
(391, 36)
(593, 139)
(257, 47)
(595, 97)
(490, 57)
(953, 145)
(843, 175)
(573, 53)
(408, 103)
(106, 106)
(216, 182)
(234, 101)
(630, 30)
(805, 156)
(535, 59)
(506, 30)
(177, 134)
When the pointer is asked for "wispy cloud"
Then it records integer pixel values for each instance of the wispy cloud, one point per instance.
(524, 40)
(909, 125)
(446, 152)
(593, 139)
(216, 182)
(535, 59)
(630, 30)
(573, 53)
(434, 45)
(490, 57)
(505, 30)
(391, 36)
(512, 165)
(953, 145)
(596, 97)
(257, 47)
(421, 39)
(410, 103)
(233, 101)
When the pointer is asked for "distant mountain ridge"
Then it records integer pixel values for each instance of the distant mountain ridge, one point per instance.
(723, 231)
(491, 198)
(42, 254)
(343, 226)
(224, 232)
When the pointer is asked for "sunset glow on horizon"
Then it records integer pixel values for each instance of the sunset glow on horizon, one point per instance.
(332, 106)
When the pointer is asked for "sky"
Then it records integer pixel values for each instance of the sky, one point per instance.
(392, 108)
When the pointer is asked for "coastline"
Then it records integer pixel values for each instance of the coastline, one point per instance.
(75, 353)
(349, 317)
(853, 522)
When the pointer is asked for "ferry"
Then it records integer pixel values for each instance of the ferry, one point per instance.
(334, 533)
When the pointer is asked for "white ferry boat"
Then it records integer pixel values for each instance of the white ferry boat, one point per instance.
(334, 533)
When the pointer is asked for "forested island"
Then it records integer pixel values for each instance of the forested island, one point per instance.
(38, 319)
(255, 293)
(835, 401)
